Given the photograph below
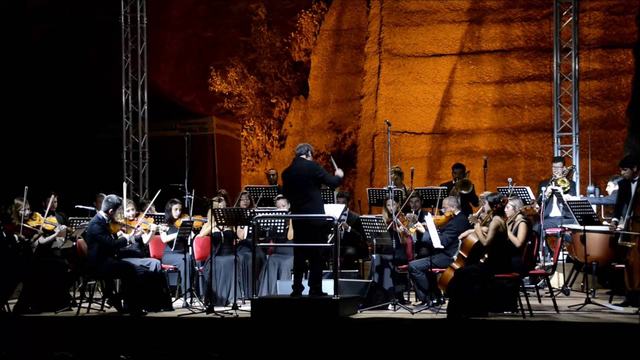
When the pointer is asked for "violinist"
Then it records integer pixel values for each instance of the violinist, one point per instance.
(384, 266)
(244, 249)
(175, 252)
(353, 244)
(467, 197)
(51, 203)
(397, 179)
(626, 216)
(46, 280)
(417, 215)
(103, 263)
(138, 232)
(426, 290)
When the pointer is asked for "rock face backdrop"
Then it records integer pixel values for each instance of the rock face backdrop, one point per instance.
(460, 80)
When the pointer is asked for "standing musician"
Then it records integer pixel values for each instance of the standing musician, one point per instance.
(626, 216)
(301, 183)
(462, 188)
(45, 275)
(102, 262)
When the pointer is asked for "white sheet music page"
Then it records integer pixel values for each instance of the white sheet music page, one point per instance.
(334, 210)
(433, 232)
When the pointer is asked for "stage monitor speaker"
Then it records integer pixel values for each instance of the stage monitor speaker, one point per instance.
(348, 287)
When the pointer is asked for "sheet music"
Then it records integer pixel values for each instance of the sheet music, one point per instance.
(334, 210)
(433, 232)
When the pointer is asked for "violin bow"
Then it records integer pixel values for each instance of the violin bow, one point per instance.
(395, 218)
(24, 203)
(335, 166)
(46, 213)
(147, 209)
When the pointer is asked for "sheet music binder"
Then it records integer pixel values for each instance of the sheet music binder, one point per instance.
(523, 192)
(583, 212)
(328, 196)
(262, 195)
(375, 231)
(431, 194)
(376, 196)
(233, 216)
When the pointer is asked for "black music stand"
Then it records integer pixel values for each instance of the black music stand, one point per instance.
(234, 217)
(273, 228)
(328, 195)
(262, 195)
(584, 215)
(376, 233)
(523, 192)
(184, 234)
(77, 225)
(432, 196)
(376, 196)
(158, 218)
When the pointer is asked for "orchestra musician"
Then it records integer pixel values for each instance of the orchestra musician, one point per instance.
(426, 292)
(612, 192)
(626, 216)
(553, 191)
(397, 179)
(353, 244)
(461, 187)
(417, 215)
(272, 178)
(44, 273)
(137, 232)
(279, 262)
(176, 249)
(244, 250)
(102, 262)
(301, 183)
(473, 291)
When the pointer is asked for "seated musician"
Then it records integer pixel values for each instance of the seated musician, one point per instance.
(384, 266)
(467, 196)
(553, 192)
(138, 235)
(272, 178)
(245, 246)
(279, 263)
(353, 244)
(417, 215)
(612, 192)
(626, 216)
(219, 291)
(45, 272)
(175, 252)
(397, 179)
(473, 291)
(427, 291)
(54, 211)
(102, 261)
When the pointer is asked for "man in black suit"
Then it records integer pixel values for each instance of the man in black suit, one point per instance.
(101, 258)
(301, 183)
(626, 210)
(551, 196)
(415, 209)
(459, 172)
(353, 244)
(441, 257)
(612, 193)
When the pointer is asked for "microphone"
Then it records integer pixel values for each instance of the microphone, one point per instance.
(412, 170)
(484, 164)
(510, 180)
(85, 207)
(387, 122)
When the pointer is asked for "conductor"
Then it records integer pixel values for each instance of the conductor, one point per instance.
(301, 183)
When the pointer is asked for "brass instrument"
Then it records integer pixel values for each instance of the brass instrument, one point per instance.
(563, 181)
(462, 186)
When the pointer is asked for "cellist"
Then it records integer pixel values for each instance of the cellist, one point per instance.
(626, 216)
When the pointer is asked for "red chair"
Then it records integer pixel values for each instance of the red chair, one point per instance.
(547, 274)
(156, 250)
(201, 252)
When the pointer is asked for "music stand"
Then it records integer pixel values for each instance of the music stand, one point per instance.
(262, 195)
(523, 192)
(77, 225)
(376, 233)
(233, 216)
(184, 234)
(269, 224)
(328, 195)
(431, 196)
(584, 215)
(376, 196)
(158, 218)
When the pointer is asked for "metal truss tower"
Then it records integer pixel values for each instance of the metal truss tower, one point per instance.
(566, 129)
(135, 145)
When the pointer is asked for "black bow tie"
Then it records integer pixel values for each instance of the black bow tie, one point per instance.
(634, 181)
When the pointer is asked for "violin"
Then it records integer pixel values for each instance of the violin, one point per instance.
(140, 222)
(198, 221)
(50, 223)
(442, 220)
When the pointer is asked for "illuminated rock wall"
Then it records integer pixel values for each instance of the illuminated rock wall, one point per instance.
(458, 80)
